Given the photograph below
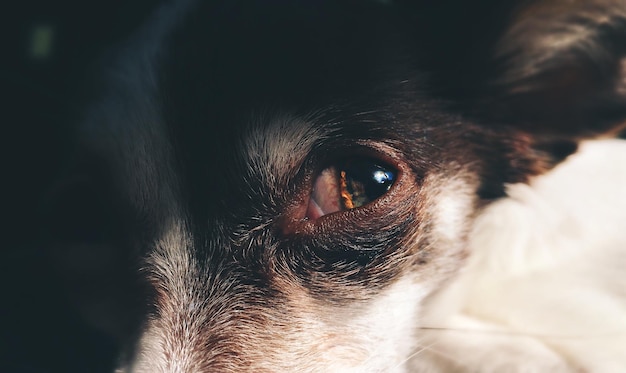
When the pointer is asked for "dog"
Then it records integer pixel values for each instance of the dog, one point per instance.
(362, 186)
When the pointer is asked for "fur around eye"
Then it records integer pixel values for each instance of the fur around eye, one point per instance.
(349, 184)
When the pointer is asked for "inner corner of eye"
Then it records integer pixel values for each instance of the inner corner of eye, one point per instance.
(347, 185)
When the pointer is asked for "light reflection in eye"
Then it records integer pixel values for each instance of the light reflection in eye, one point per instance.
(383, 177)
(349, 184)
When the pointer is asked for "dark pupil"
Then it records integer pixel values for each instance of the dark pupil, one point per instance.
(363, 181)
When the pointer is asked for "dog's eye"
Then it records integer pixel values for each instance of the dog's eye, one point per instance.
(349, 184)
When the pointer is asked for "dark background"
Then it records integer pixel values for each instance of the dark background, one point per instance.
(42, 86)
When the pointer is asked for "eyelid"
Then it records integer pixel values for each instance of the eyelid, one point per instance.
(294, 219)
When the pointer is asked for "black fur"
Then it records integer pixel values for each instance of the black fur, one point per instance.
(220, 124)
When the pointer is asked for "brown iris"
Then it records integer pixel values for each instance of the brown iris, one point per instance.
(349, 184)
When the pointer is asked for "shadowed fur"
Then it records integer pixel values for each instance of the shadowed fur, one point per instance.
(220, 117)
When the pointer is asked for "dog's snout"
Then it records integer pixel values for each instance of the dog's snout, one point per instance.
(307, 190)
(206, 317)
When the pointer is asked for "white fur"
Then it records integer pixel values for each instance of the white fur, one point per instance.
(545, 288)
(389, 328)
(543, 291)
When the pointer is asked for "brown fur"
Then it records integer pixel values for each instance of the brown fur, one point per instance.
(216, 162)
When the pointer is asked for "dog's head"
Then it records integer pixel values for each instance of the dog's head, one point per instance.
(300, 178)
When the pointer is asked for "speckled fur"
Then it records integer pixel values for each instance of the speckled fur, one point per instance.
(220, 114)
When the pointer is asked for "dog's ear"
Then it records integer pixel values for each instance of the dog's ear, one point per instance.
(553, 68)
(560, 68)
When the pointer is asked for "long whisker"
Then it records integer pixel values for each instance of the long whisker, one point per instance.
(431, 348)
(420, 349)
(616, 333)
